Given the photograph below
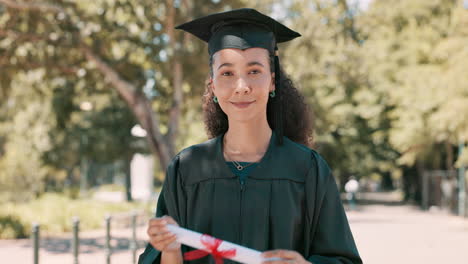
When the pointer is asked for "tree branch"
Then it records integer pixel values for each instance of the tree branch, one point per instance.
(44, 7)
(177, 73)
(126, 89)
(22, 36)
(33, 66)
(349, 22)
(138, 103)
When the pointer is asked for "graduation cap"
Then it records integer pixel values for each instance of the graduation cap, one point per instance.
(242, 29)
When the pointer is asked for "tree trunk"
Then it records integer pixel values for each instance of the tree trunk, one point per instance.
(419, 183)
(140, 106)
(343, 177)
(409, 181)
(128, 181)
(449, 161)
(387, 182)
(174, 113)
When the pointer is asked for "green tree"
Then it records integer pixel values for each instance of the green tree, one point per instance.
(130, 46)
(96, 51)
(414, 56)
(23, 171)
(328, 62)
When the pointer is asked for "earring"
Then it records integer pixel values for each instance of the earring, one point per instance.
(215, 99)
(272, 94)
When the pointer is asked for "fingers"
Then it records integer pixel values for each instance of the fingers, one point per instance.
(158, 221)
(280, 261)
(281, 253)
(170, 220)
(161, 239)
(281, 256)
(159, 236)
(162, 221)
(169, 244)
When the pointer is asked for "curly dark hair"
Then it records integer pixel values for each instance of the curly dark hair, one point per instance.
(297, 118)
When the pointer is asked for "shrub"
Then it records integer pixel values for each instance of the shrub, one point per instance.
(54, 213)
(12, 227)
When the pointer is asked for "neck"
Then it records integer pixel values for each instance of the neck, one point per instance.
(247, 141)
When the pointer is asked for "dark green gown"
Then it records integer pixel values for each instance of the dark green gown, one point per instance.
(289, 201)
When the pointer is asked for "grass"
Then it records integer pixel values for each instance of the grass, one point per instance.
(54, 212)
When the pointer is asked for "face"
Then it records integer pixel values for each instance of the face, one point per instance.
(242, 80)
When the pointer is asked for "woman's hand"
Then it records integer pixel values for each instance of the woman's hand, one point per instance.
(160, 237)
(285, 256)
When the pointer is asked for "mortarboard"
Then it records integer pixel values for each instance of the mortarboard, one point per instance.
(242, 29)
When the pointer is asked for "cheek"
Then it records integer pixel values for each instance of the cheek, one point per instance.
(221, 88)
(262, 84)
(223, 83)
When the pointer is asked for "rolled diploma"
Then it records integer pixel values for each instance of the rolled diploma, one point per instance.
(191, 238)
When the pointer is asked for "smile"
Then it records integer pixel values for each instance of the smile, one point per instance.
(242, 104)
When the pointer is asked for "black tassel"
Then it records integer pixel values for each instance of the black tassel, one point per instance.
(279, 102)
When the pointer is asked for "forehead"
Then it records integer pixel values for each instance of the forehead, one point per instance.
(233, 55)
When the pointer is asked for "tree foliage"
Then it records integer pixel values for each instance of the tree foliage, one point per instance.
(387, 83)
(123, 58)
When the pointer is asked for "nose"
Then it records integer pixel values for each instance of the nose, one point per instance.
(242, 86)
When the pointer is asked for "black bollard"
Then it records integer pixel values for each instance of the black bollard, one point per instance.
(108, 238)
(133, 242)
(76, 241)
(35, 240)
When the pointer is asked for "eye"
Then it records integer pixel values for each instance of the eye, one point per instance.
(227, 73)
(254, 72)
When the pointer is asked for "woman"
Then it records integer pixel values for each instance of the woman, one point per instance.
(255, 182)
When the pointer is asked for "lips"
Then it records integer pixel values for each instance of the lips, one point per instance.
(242, 104)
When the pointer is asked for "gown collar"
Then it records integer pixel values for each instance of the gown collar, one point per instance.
(224, 168)
(206, 162)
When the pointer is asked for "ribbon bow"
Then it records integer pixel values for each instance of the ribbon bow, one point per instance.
(211, 245)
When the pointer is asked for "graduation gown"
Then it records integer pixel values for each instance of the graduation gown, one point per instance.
(289, 201)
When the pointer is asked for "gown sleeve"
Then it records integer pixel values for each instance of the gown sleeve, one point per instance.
(171, 202)
(331, 240)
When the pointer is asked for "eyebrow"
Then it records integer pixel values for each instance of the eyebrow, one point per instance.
(252, 63)
(227, 64)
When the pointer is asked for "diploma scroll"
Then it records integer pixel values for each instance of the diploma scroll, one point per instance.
(218, 248)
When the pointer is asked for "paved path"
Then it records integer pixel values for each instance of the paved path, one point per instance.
(393, 233)
(385, 232)
(57, 250)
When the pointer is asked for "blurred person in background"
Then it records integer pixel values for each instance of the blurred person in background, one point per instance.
(351, 188)
(256, 182)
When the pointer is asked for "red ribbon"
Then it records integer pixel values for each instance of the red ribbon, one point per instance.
(211, 245)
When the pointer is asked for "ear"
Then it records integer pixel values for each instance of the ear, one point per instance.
(210, 84)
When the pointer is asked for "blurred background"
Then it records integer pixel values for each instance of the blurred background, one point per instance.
(96, 97)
